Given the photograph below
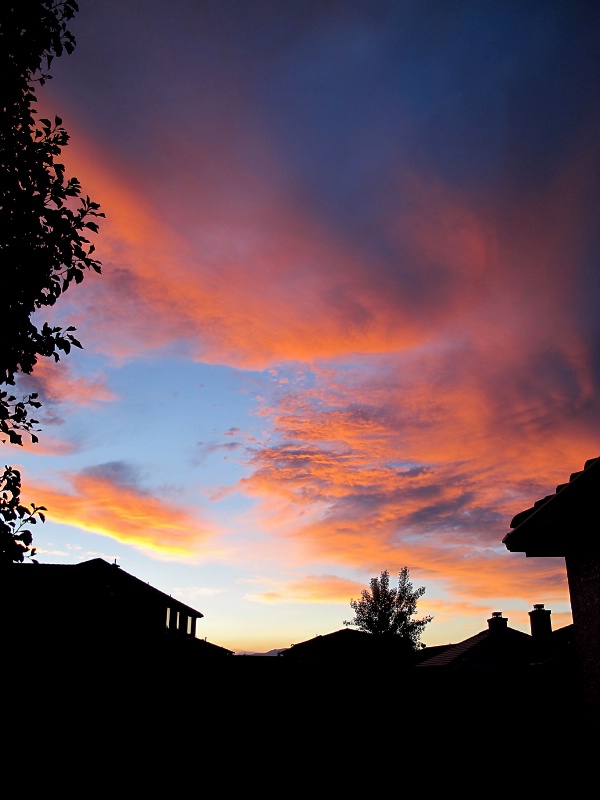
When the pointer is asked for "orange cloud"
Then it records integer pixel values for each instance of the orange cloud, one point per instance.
(398, 465)
(235, 263)
(313, 589)
(101, 505)
(250, 282)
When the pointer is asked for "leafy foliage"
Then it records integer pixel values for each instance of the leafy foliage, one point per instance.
(13, 415)
(44, 225)
(15, 539)
(382, 610)
(44, 220)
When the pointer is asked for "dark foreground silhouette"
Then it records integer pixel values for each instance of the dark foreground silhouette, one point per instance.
(139, 686)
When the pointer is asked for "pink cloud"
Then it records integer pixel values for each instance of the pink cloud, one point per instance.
(57, 383)
(50, 446)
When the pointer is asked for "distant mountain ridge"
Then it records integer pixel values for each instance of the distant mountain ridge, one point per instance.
(269, 653)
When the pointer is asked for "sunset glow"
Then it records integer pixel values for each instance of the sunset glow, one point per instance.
(347, 317)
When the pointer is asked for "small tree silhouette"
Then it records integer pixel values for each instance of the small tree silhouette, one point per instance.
(382, 610)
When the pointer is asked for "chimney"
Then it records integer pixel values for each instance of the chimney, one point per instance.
(541, 626)
(497, 623)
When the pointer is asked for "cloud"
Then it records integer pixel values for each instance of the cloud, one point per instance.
(392, 185)
(117, 473)
(192, 593)
(412, 462)
(57, 386)
(107, 500)
(450, 380)
(228, 447)
(60, 390)
(275, 285)
(48, 445)
(312, 589)
(260, 283)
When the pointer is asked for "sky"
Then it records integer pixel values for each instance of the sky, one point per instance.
(348, 315)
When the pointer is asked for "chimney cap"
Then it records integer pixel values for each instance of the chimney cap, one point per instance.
(538, 606)
(497, 623)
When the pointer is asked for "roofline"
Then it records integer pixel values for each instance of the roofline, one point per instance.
(177, 605)
(173, 603)
(543, 512)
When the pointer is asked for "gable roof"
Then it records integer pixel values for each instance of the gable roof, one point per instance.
(88, 581)
(133, 585)
(564, 523)
(501, 646)
(486, 649)
(347, 643)
(96, 613)
(429, 651)
(211, 649)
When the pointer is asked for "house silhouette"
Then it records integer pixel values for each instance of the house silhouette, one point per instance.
(349, 646)
(565, 525)
(502, 648)
(97, 612)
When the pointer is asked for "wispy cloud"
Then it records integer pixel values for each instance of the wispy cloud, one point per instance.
(312, 589)
(57, 383)
(107, 500)
(405, 462)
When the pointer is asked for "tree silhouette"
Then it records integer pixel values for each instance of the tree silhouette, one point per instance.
(15, 539)
(44, 224)
(382, 610)
(44, 220)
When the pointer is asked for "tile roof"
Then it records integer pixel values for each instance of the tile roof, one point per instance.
(485, 649)
(563, 523)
